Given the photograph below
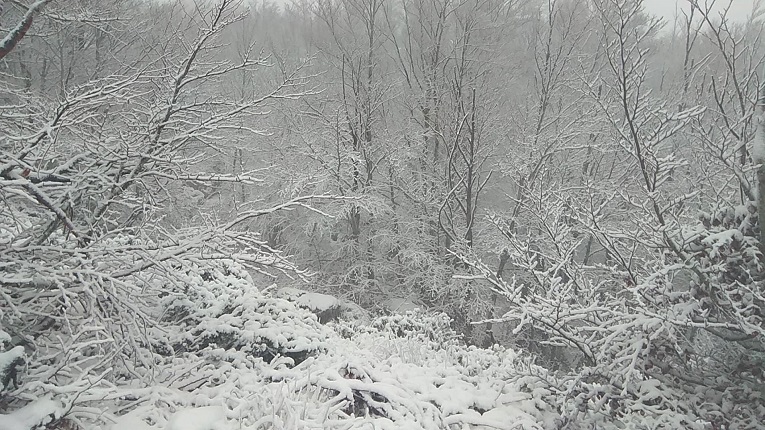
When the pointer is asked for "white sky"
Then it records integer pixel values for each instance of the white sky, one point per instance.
(739, 10)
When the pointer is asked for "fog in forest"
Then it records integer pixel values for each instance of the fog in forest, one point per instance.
(382, 214)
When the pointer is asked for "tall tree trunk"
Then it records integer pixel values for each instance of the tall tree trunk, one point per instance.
(758, 152)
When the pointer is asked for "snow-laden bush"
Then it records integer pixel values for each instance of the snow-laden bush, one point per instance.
(419, 324)
(362, 379)
(676, 343)
(36, 414)
(326, 307)
(469, 386)
(183, 326)
(219, 307)
(10, 361)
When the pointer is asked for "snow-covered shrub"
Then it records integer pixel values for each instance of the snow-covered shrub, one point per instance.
(725, 349)
(418, 324)
(11, 358)
(40, 414)
(326, 307)
(412, 336)
(218, 307)
(677, 343)
(726, 249)
(349, 387)
(372, 378)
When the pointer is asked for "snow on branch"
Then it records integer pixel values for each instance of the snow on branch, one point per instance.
(17, 33)
(212, 177)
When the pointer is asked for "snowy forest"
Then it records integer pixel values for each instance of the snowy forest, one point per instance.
(381, 214)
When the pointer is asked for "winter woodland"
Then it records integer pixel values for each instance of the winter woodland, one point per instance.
(381, 214)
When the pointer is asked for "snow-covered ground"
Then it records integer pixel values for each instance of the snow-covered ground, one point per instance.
(220, 354)
(391, 374)
(227, 356)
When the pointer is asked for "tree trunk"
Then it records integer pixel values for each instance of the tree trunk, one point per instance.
(758, 152)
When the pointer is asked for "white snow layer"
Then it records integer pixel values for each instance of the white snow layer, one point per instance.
(205, 418)
(31, 416)
(313, 301)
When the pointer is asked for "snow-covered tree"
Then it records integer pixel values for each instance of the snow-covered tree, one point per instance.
(91, 181)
